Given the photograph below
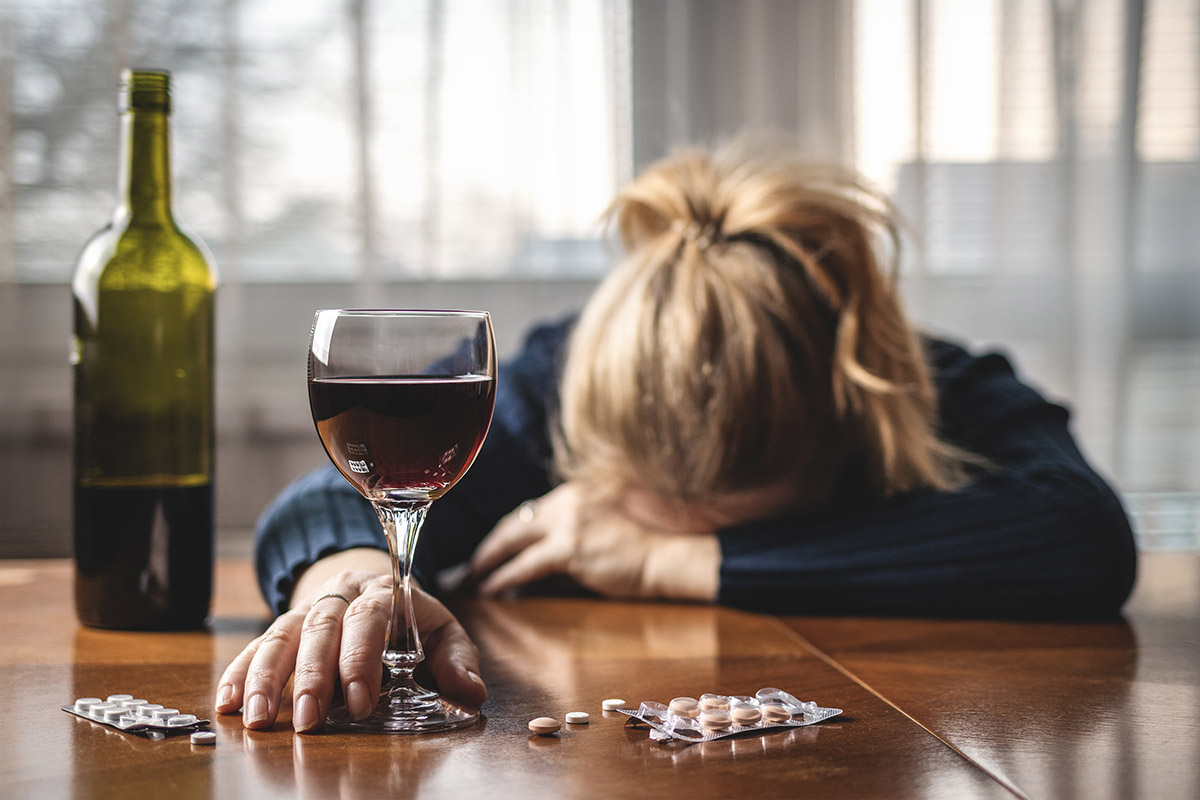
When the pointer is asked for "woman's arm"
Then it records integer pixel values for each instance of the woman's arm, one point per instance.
(1038, 535)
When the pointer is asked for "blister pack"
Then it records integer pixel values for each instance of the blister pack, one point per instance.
(130, 714)
(715, 716)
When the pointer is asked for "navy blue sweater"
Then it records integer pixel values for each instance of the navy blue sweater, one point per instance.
(1037, 535)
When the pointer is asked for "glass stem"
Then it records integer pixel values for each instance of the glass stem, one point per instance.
(401, 524)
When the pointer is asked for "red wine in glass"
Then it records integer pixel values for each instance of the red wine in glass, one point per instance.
(402, 435)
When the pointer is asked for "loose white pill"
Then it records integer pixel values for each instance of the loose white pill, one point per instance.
(612, 704)
(204, 737)
(544, 725)
(578, 717)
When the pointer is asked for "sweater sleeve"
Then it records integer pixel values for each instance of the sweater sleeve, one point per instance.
(321, 513)
(1037, 534)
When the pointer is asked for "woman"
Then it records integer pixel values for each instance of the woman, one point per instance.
(742, 414)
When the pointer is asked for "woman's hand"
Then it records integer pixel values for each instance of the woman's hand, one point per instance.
(600, 547)
(337, 627)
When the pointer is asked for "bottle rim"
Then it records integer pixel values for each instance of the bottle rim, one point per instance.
(145, 89)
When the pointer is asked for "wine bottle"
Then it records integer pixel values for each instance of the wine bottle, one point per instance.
(143, 371)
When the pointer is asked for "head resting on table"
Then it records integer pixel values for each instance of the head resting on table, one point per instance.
(752, 337)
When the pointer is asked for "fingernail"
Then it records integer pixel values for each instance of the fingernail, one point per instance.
(307, 714)
(476, 679)
(358, 700)
(225, 696)
(257, 709)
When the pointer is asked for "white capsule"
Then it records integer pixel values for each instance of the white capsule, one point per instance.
(612, 704)
(578, 717)
(204, 737)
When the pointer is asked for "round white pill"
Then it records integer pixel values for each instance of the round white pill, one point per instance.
(164, 714)
(204, 737)
(114, 713)
(119, 698)
(84, 704)
(134, 702)
(612, 704)
(544, 725)
(181, 720)
(578, 717)
(97, 709)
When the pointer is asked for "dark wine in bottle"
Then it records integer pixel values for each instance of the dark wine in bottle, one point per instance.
(143, 367)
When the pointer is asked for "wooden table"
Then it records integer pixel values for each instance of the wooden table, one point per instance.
(950, 709)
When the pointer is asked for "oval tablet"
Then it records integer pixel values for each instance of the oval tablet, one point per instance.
(612, 704)
(578, 718)
(744, 713)
(715, 719)
(685, 707)
(775, 712)
(544, 725)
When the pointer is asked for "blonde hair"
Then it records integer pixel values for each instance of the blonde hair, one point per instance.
(753, 332)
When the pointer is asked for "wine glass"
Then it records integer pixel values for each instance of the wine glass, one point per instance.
(402, 401)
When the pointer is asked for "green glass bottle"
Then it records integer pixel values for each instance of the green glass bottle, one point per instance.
(143, 365)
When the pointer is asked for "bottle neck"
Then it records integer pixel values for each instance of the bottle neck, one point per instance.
(145, 176)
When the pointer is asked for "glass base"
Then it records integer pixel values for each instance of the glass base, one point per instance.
(407, 711)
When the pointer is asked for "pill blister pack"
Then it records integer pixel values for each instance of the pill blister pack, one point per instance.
(134, 715)
(715, 716)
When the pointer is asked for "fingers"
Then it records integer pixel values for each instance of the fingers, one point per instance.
(450, 654)
(510, 536)
(255, 679)
(317, 661)
(540, 560)
(364, 635)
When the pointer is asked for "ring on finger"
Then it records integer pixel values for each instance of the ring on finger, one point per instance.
(341, 597)
(527, 510)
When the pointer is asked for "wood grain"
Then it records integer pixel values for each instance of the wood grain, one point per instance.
(932, 709)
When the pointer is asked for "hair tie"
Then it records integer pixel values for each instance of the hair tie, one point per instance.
(702, 237)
